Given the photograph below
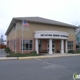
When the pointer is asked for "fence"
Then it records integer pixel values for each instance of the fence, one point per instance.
(2, 46)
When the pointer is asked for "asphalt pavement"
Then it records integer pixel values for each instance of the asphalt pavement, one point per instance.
(2, 53)
(61, 68)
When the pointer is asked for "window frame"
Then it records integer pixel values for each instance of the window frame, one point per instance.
(25, 43)
(70, 45)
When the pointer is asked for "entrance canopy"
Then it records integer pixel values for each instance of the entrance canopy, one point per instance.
(51, 34)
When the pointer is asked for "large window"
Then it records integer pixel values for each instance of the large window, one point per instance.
(70, 45)
(27, 45)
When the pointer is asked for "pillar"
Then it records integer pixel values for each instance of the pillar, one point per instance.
(66, 46)
(62, 46)
(36, 46)
(50, 46)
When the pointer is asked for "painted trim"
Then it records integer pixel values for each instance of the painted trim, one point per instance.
(50, 35)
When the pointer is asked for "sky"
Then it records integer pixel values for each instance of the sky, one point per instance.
(67, 11)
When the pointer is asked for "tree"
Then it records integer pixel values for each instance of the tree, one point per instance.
(1, 39)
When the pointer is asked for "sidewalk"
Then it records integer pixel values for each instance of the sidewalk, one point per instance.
(2, 53)
(8, 58)
(38, 57)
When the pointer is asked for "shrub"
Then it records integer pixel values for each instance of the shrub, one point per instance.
(7, 50)
(57, 51)
(16, 55)
(77, 51)
(33, 53)
(71, 51)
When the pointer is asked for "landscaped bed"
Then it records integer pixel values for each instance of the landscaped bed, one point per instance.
(74, 52)
(34, 53)
(12, 54)
(22, 55)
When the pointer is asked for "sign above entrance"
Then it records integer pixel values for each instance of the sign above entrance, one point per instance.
(51, 34)
(54, 35)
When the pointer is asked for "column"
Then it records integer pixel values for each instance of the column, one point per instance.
(50, 46)
(62, 46)
(66, 46)
(36, 46)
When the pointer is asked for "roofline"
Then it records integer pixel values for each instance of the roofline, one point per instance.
(14, 20)
(67, 25)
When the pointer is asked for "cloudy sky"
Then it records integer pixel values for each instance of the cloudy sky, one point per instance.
(67, 11)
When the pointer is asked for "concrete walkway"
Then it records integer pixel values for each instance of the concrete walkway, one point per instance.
(2, 53)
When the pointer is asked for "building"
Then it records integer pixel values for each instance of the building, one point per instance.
(78, 37)
(42, 35)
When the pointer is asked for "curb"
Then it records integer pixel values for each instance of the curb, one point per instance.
(38, 57)
(47, 56)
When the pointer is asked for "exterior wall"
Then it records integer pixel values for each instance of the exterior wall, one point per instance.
(74, 45)
(44, 44)
(57, 46)
(28, 33)
(11, 43)
(18, 45)
(18, 49)
(7, 43)
(11, 34)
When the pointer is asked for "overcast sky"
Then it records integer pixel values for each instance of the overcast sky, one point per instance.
(67, 11)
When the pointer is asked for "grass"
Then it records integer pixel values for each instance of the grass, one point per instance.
(77, 52)
(22, 55)
(74, 52)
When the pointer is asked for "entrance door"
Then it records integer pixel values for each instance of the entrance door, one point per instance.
(40, 44)
(53, 46)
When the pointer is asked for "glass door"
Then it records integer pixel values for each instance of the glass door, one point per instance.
(40, 44)
(53, 46)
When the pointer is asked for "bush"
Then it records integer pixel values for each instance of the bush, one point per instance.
(71, 51)
(23, 55)
(77, 51)
(33, 52)
(7, 50)
(57, 51)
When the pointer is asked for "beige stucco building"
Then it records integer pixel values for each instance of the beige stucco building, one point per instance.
(42, 35)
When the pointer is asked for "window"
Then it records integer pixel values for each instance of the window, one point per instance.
(70, 45)
(27, 45)
(77, 38)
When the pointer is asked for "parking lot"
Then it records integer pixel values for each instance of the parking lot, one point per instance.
(40, 69)
(2, 53)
